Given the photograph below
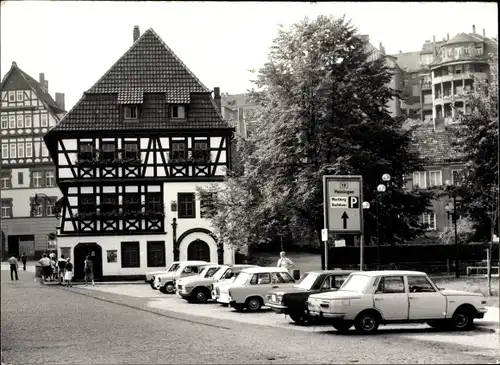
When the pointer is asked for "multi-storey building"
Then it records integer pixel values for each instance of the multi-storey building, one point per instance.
(28, 112)
(239, 110)
(130, 156)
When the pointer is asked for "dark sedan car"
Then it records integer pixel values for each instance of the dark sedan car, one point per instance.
(293, 301)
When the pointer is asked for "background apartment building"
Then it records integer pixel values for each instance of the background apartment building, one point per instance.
(28, 112)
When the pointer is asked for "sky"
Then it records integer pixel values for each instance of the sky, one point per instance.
(75, 43)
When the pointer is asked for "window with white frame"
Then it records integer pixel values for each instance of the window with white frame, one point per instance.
(6, 180)
(49, 206)
(36, 209)
(20, 95)
(6, 208)
(429, 219)
(130, 112)
(45, 151)
(456, 177)
(49, 178)
(178, 112)
(13, 150)
(12, 121)
(20, 150)
(435, 178)
(36, 177)
(12, 96)
(5, 150)
(29, 149)
(419, 179)
(20, 121)
(44, 120)
(5, 122)
(27, 121)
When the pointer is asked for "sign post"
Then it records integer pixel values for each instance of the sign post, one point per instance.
(324, 238)
(343, 211)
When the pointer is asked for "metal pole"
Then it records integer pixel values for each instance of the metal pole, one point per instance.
(326, 255)
(457, 252)
(378, 234)
(361, 253)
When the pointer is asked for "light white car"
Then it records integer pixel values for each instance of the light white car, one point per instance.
(185, 287)
(199, 288)
(150, 275)
(370, 298)
(249, 289)
(165, 282)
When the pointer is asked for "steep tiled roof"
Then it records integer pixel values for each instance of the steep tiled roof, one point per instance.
(461, 38)
(35, 85)
(149, 73)
(435, 147)
(409, 61)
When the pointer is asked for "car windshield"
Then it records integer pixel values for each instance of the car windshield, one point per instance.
(242, 278)
(218, 275)
(356, 283)
(306, 281)
(173, 267)
(210, 271)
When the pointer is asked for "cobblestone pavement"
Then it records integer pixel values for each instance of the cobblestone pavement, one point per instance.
(44, 324)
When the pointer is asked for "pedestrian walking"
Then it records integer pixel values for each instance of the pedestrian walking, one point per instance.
(61, 265)
(24, 259)
(53, 266)
(47, 269)
(13, 267)
(285, 262)
(89, 270)
(68, 273)
(52, 255)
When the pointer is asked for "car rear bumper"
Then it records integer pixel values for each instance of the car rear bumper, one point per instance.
(223, 298)
(326, 315)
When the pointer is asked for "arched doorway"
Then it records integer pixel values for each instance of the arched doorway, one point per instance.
(81, 252)
(198, 250)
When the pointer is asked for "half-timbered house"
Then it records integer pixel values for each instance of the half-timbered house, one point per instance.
(130, 155)
(28, 111)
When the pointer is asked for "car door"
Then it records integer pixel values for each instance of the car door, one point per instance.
(260, 284)
(425, 301)
(281, 280)
(391, 298)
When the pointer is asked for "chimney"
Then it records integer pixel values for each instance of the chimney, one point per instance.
(217, 99)
(382, 49)
(400, 52)
(42, 80)
(473, 29)
(447, 36)
(137, 33)
(60, 100)
(484, 33)
(434, 51)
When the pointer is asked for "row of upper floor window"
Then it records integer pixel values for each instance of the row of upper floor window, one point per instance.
(16, 95)
(38, 178)
(13, 121)
(131, 112)
(459, 69)
(434, 178)
(41, 208)
(116, 203)
(21, 150)
(456, 52)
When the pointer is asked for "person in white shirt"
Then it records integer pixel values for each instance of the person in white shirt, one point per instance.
(13, 267)
(285, 262)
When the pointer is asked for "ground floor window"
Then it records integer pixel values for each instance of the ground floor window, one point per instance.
(130, 254)
(156, 253)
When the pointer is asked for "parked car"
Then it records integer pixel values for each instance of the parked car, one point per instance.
(249, 289)
(184, 286)
(150, 275)
(292, 301)
(199, 288)
(370, 298)
(165, 282)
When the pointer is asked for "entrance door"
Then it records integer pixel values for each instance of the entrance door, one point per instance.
(13, 246)
(81, 252)
(27, 245)
(199, 250)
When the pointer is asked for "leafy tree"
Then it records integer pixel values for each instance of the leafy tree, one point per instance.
(322, 111)
(477, 138)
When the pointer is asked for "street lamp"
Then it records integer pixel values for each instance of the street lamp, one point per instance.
(451, 210)
(381, 188)
(36, 204)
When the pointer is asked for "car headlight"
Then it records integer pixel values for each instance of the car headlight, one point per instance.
(279, 298)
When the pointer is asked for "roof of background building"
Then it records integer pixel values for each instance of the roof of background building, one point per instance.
(490, 45)
(436, 146)
(408, 61)
(236, 100)
(35, 85)
(428, 47)
(461, 38)
(150, 72)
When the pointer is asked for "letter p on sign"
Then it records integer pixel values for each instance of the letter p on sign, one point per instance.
(353, 202)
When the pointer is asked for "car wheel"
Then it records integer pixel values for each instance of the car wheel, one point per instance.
(253, 304)
(200, 296)
(462, 319)
(299, 318)
(169, 288)
(342, 326)
(367, 322)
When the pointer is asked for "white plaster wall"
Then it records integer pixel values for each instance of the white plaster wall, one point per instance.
(21, 198)
(114, 243)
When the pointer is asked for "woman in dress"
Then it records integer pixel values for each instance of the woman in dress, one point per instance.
(68, 273)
